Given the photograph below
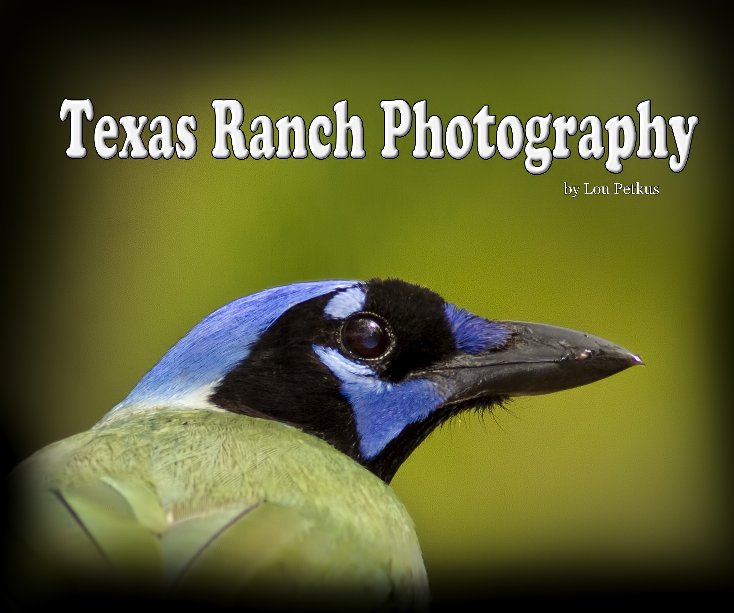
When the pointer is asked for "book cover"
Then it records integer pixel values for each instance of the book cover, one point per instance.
(551, 165)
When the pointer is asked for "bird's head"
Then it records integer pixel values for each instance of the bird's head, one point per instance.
(370, 367)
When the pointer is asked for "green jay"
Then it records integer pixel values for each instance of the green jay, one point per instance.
(252, 463)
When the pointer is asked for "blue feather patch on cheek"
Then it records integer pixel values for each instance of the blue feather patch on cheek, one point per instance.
(474, 334)
(381, 409)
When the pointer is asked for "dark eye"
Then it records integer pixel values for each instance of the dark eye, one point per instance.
(366, 336)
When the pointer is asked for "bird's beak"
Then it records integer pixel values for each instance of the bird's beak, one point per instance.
(537, 359)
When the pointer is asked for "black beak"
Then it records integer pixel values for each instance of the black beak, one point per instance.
(537, 359)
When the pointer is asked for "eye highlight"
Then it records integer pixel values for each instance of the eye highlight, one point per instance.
(366, 336)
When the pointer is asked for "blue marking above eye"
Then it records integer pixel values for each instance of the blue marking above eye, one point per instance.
(381, 409)
(346, 302)
(474, 334)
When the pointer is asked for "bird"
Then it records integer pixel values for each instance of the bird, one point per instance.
(253, 462)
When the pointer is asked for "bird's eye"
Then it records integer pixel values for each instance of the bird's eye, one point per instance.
(366, 336)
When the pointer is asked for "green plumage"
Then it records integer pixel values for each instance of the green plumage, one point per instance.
(210, 502)
(160, 500)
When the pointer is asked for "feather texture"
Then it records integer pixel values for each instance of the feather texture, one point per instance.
(237, 505)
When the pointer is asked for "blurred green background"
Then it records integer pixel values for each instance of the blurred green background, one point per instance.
(110, 262)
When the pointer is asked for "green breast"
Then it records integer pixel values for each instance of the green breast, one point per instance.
(212, 502)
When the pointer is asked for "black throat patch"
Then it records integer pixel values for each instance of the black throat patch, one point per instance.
(284, 380)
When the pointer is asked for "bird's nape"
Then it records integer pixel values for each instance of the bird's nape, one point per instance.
(255, 453)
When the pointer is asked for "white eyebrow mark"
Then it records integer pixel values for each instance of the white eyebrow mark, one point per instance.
(346, 302)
